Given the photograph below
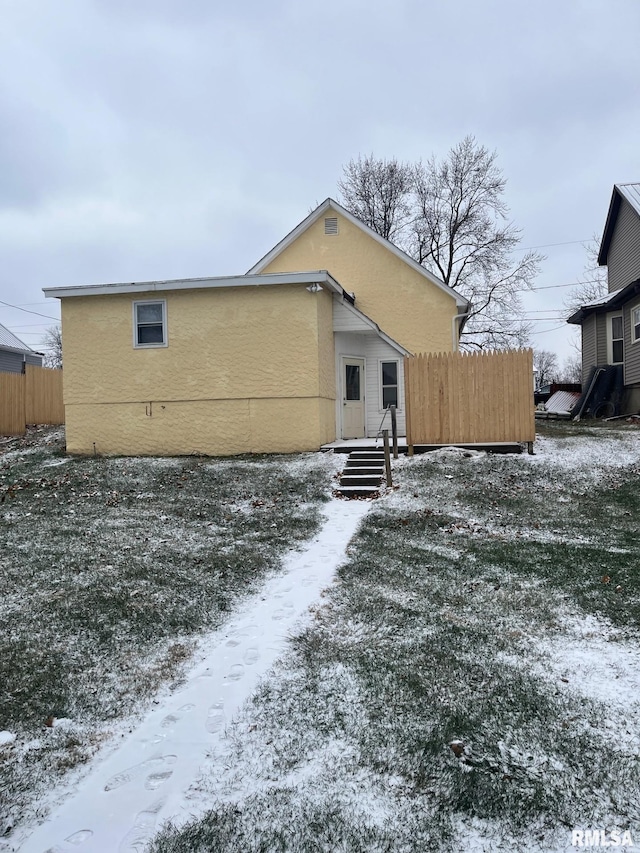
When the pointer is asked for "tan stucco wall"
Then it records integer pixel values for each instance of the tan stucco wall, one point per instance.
(409, 308)
(243, 372)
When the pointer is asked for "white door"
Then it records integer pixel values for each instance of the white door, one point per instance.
(353, 398)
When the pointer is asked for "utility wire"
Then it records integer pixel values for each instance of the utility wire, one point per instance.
(37, 313)
(548, 245)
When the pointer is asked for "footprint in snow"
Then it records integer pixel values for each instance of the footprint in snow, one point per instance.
(171, 719)
(284, 612)
(215, 718)
(251, 656)
(135, 841)
(236, 672)
(156, 764)
(79, 837)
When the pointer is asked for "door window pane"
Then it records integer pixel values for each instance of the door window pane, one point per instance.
(352, 381)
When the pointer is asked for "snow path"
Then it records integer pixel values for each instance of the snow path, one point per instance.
(131, 792)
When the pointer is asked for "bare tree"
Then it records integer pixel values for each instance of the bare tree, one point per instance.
(378, 193)
(545, 364)
(52, 343)
(571, 369)
(593, 282)
(452, 219)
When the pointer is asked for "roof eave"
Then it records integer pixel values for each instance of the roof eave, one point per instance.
(615, 301)
(612, 215)
(18, 351)
(306, 277)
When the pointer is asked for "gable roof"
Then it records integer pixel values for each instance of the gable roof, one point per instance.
(8, 341)
(631, 194)
(367, 321)
(330, 204)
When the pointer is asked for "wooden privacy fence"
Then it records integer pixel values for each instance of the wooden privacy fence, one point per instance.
(33, 397)
(469, 398)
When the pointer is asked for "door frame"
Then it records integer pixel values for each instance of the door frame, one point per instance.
(345, 359)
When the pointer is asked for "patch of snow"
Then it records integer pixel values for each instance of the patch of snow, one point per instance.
(144, 782)
(6, 738)
(613, 449)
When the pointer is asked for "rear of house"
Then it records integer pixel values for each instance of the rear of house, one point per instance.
(285, 358)
(203, 367)
(611, 325)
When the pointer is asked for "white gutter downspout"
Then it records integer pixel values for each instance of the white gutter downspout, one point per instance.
(454, 331)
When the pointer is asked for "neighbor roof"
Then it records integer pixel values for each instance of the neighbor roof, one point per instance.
(608, 302)
(330, 204)
(631, 194)
(8, 341)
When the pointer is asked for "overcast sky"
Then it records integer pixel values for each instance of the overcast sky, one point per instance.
(146, 139)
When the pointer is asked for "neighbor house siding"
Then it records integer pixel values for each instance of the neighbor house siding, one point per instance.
(623, 257)
(408, 307)
(602, 350)
(588, 346)
(241, 373)
(11, 362)
(631, 350)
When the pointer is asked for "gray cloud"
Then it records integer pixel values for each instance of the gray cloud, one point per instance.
(161, 138)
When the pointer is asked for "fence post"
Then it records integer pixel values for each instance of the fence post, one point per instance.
(387, 457)
(407, 404)
(394, 431)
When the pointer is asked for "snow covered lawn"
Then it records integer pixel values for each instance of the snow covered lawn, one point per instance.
(471, 681)
(111, 570)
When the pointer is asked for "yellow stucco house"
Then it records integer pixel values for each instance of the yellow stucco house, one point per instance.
(305, 348)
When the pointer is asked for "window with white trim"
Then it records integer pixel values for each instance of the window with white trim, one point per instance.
(389, 383)
(150, 323)
(615, 339)
(635, 324)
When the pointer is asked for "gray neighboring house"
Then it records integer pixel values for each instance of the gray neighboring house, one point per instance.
(611, 324)
(14, 354)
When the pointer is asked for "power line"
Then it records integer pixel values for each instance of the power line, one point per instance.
(555, 329)
(37, 313)
(570, 284)
(548, 245)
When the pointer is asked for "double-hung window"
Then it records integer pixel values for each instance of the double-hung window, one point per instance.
(150, 323)
(635, 324)
(389, 377)
(615, 339)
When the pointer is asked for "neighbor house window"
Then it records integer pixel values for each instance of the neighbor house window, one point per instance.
(616, 347)
(150, 323)
(389, 376)
(635, 324)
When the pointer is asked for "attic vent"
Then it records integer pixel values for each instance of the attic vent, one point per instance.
(331, 225)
